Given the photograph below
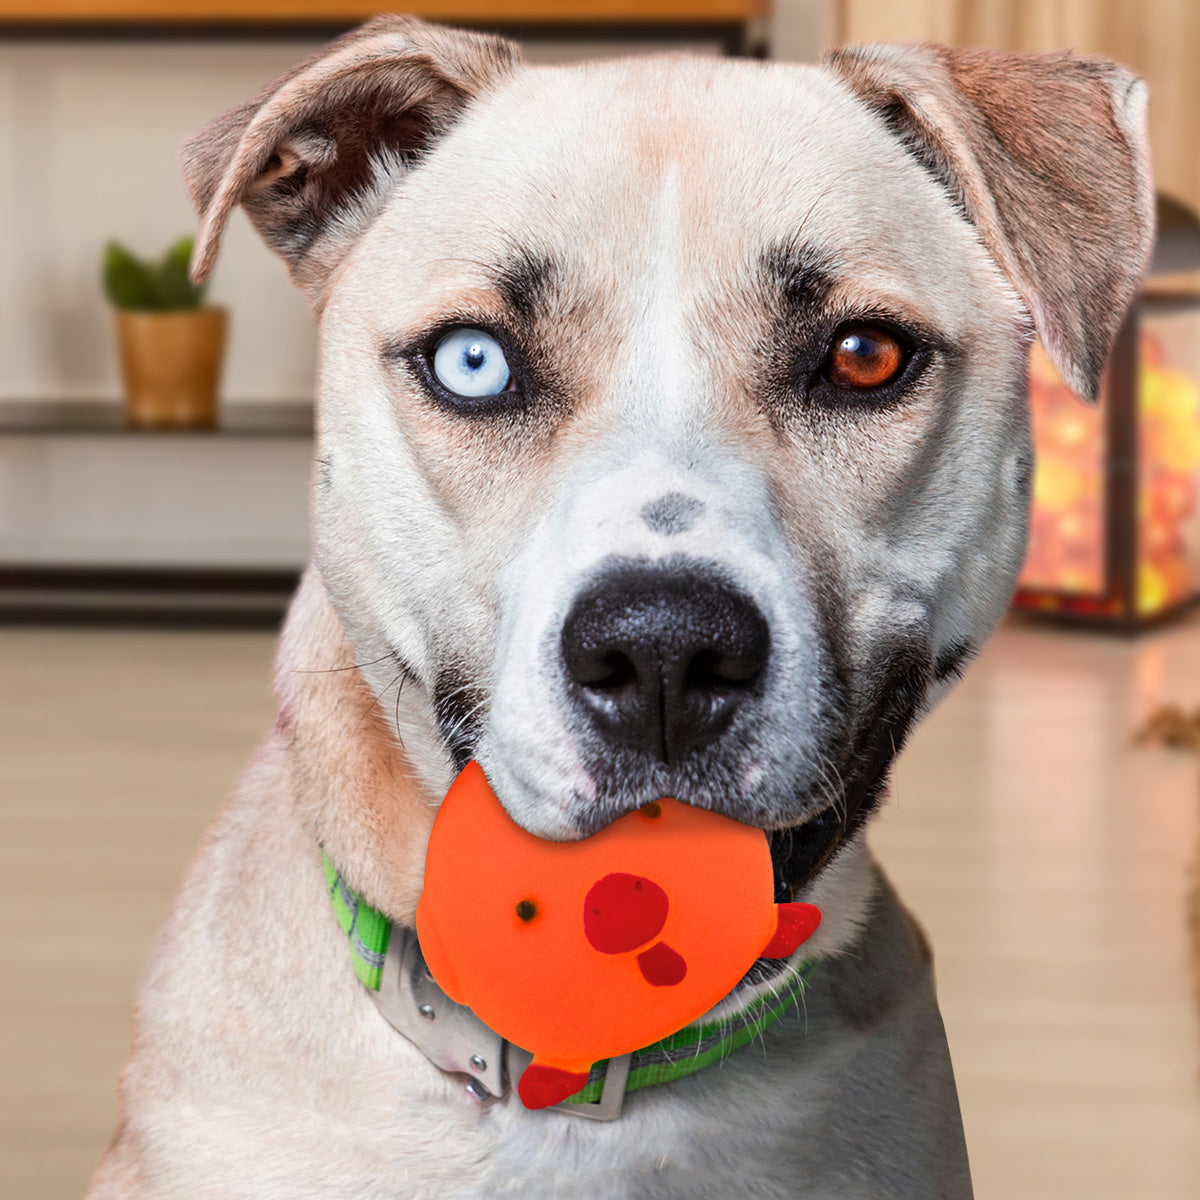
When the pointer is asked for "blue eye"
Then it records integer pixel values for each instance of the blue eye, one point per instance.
(470, 363)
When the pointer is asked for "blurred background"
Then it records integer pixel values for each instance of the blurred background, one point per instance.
(154, 461)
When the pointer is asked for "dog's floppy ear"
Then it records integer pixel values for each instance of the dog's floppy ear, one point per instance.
(312, 156)
(1046, 154)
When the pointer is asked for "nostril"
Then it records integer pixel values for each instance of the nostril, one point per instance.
(711, 671)
(605, 673)
(612, 690)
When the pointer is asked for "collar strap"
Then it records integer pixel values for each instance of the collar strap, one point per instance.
(453, 1038)
(368, 930)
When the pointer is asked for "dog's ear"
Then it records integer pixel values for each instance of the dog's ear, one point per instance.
(312, 157)
(1046, 154)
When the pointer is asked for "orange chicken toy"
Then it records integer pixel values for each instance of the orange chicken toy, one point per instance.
(586, 950)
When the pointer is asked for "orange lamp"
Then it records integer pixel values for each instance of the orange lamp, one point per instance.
(585, 950)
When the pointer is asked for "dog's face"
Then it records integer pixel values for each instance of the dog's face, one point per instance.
(672, 428)
(671, 556)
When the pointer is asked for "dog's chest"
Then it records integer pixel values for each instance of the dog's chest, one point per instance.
(689, 1138)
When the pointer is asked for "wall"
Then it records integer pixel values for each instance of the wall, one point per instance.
(801, 29)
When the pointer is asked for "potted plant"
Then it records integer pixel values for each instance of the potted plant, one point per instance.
(171, 344)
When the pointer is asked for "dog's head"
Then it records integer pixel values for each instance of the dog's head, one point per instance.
(672, 426)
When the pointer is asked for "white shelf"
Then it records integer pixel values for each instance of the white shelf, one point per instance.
(79, 490)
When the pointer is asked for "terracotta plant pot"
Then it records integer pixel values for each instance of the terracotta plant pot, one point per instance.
(171, 362)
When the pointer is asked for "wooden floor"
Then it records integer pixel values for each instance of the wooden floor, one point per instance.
(1045, 855)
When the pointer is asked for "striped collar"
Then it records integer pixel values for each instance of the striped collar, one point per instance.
(388, 963)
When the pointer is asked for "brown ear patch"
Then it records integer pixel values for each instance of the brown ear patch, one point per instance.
(1046, 155)
(333, 163)
(317, 149)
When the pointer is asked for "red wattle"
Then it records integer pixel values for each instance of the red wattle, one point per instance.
(796, 923)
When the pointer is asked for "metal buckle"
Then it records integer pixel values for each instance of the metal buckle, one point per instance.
(612, 1093)
(453, 1038)
(450, 1035)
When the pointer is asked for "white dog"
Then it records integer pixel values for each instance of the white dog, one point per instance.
(672, 441)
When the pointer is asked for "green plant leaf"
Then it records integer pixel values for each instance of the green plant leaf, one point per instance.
(128, 282)
(175, 288)
(131, 282)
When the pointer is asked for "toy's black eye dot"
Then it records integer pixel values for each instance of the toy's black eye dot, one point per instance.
(651, 811)
(526, 910)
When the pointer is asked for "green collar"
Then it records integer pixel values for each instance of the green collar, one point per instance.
(692, 1048)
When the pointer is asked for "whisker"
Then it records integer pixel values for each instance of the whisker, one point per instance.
(335, 670)
(396, 720)
(462, 722)
(374, 701)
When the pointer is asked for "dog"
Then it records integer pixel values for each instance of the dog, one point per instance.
(672, 441)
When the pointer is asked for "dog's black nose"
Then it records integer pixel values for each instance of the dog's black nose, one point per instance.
(662, 656)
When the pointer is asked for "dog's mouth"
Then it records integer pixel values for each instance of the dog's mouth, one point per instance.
(797, 856)
(800, 851)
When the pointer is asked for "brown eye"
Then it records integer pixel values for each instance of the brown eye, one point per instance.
(864, 357)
